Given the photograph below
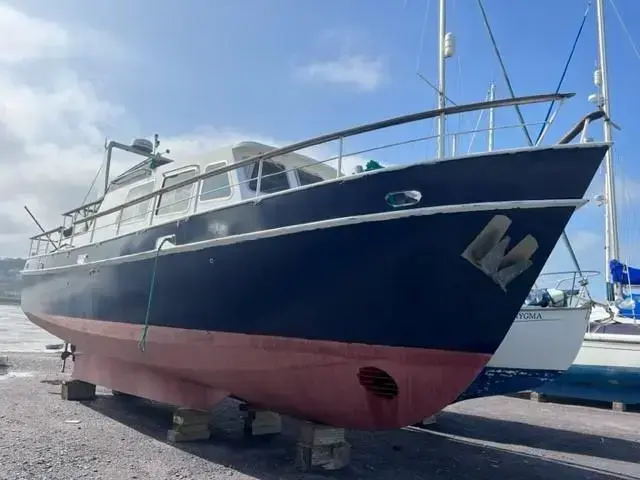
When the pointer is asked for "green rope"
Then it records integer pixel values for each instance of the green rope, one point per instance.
(142, 340)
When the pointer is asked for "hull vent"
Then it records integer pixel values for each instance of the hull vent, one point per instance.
(378, 382)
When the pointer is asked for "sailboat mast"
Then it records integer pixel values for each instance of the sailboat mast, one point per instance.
(442, 78)
(611, 221)
(492, 96)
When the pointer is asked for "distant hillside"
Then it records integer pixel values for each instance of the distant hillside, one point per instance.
(10, 279)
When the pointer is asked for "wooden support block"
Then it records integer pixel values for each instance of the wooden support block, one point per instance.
(326, 457)
(261, 422)
(322, 446)
(77, 390)
(123, 396)
(189, 425)
(189, 416)
(619, 406)
(175, 437)
(315, 435)
(191, 429)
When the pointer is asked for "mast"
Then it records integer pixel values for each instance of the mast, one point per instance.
(492, 96)
(611, 246)
(107, 167)
(441, 78)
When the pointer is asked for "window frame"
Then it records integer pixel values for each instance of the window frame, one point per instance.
(224, 163)
(299, 169)
(256, 168)
(150, 200)
(165, 177)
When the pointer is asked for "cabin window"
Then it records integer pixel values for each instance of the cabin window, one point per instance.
(307, 178)
(176, 201)
(215, 187)
(137, 211)
(274, 177)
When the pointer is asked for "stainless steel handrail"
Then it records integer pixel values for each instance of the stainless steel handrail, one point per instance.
(340, 135)
(343, 134)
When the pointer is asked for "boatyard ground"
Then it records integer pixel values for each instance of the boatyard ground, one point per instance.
(109, 438)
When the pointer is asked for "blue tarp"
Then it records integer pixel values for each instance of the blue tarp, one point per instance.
(621, 273)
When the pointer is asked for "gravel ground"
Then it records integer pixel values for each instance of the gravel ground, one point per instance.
(110, 438)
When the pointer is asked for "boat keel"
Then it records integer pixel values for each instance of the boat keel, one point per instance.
(146, 382)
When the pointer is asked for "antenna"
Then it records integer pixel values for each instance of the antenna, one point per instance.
(35, 220)
(492, 122)
(441, 78)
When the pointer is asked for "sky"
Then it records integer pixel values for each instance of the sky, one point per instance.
(207, 73)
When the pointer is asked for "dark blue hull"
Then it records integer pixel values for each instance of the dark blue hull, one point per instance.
(596, 383)
(384, 283)
(393, 282)
(503, 381)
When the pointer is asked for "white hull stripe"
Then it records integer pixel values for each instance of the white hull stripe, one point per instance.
(612, 337)
(322, 224)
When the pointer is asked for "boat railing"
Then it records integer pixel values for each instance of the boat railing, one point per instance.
(574, 284)
(84, 220)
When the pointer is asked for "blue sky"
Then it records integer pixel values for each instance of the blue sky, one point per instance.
(286, 70)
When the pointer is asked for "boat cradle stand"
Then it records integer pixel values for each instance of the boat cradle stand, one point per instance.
(317, 447)
(258, 422)
(77, 390)
(193, 425)
(544, 398)
(321, 447)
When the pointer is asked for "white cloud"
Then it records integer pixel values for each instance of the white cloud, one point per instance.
(53, 123)
(26, 38)
(361, 72)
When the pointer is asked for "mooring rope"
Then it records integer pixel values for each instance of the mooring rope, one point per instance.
(142, 340)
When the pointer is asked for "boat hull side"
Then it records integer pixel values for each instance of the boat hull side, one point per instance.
(605, 369)
(542, 338)
(313, 380)
(502, 381)
(381, 283)
(599, 383)
(541, 344)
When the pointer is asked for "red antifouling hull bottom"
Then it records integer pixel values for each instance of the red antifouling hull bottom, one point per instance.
(344, 385)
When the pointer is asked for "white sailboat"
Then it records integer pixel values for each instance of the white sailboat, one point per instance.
(557, 329)
(607, 366)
